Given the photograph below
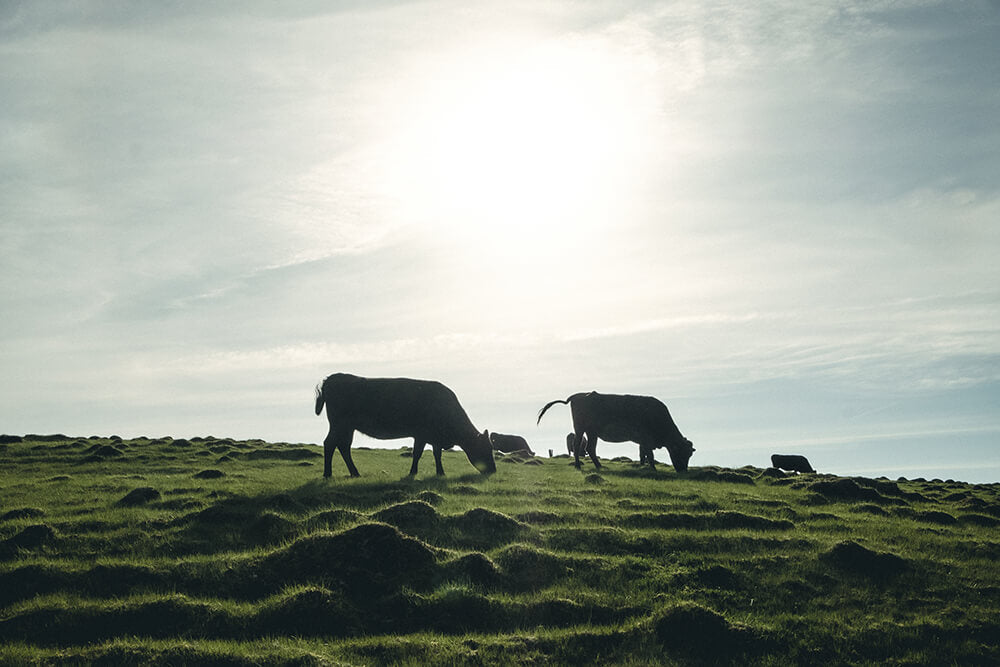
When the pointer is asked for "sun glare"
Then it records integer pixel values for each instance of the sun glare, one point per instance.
(525, 148)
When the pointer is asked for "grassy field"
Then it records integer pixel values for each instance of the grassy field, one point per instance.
(212, 551)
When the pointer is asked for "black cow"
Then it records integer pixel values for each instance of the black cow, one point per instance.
(389, 408)
(624, 418)
(509, 443)
(791, 462)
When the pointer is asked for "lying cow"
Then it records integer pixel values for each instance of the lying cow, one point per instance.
(509, 443)
(617, 418)
(793, 462)
(390, 408)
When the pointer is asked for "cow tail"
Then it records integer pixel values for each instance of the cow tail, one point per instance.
(319, 399)
(547, 406)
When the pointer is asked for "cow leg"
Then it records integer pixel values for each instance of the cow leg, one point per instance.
(418, 450)
(345, 452)
(592, 450)
(328, 448)
(437, 461)
(646, 456)
(338, 438)
(577, 446)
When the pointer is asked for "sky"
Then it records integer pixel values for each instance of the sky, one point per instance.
(780, 218)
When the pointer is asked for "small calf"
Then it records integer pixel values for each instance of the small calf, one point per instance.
(793, 462)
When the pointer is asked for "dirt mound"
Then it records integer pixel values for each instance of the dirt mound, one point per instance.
(139, 496)
(333, 518)
(594, 478)
(282, 502)
(529, 568)
(285, 454)
(311, 611)
(367, 560)
(869, 509)
(211, 473)
(430, 497)
(485, 526)
(100, 453)
(31, 537)
(454, 609)
(853, 557)
(698, 633)
(717, 576)
(269, 528)
(23, 513)
(539, 517)
(409, 516)
(847, 490)
(934, 516)
(713, 475)
(475, 567)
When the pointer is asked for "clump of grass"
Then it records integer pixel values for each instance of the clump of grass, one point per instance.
(210, 473)
(529, 568)
(23, 513)
(694, 632)
(852, 557)
(139, 496)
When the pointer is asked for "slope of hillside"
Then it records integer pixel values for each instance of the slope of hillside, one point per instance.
(223, 552)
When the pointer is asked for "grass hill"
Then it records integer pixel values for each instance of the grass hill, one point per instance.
(171, 551)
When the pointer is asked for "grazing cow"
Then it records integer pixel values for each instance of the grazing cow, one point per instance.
(793, 462)
(640, 419)
(389, 408)
(509, 443)
(571, 443)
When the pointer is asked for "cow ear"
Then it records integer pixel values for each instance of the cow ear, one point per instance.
(486, 432)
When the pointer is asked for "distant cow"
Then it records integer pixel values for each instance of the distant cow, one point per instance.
(390, 408)
(571, 443)
(791, 462)
(509, 443)
(616, 418)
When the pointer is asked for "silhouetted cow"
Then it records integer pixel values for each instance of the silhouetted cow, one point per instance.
(791, 462)
(509, 443)
(616, 418)
(571, 443)
(389, 408)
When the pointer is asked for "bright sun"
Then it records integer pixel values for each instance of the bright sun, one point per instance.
(538, 143)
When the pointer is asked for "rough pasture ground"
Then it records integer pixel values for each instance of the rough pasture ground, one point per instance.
(214, 551)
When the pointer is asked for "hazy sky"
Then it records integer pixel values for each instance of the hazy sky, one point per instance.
(781, 218)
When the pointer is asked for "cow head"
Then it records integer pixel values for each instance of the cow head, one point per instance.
(480, 453)
(680, 453)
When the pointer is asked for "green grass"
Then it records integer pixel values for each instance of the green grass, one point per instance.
(212, 551)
